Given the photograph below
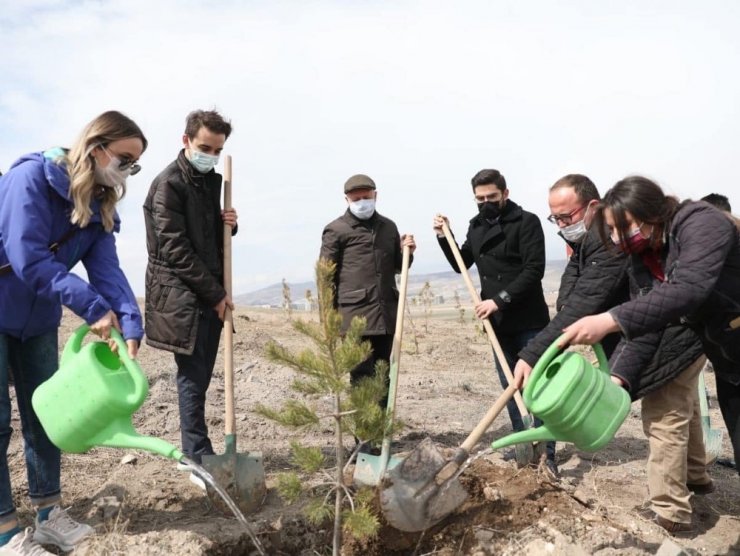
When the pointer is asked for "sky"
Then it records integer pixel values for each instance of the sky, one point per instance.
(419, 95)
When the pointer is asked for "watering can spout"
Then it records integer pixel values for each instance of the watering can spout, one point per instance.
(124, 436)
(539, 434)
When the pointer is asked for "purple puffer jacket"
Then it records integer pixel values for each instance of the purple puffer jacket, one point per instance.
(35, 212)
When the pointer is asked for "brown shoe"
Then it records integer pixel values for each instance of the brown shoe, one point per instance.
(701, 489)
(674, 527)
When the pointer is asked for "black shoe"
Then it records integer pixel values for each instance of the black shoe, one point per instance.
(701, 490)
(726, 462)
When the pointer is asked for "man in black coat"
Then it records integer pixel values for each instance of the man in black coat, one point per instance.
(185, 296)
(507, 245)
(595, 278)
(367, 250)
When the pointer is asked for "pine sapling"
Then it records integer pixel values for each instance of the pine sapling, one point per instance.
(324, 372)
(287, 301)
(426, 298)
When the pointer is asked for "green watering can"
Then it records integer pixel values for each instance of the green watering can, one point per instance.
(90, 399)
(576, 401)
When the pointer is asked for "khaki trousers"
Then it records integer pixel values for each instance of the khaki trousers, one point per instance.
(671, 420)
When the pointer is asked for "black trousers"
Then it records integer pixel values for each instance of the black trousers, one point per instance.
(382, 345)
(728, 396)
(194, 374)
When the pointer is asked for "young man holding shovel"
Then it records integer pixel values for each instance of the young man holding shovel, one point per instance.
(185, 295)
(507, 245)
(367, 250)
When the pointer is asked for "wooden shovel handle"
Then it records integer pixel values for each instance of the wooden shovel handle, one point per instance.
(486, 323)
(398, 335)
(230, 420)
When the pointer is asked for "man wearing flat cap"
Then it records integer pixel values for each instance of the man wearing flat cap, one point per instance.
(367, 250)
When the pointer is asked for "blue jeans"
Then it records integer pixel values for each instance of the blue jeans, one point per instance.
(194, 374)
(33, 362)
(511, 345)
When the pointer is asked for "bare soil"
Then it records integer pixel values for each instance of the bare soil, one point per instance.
(140, 504)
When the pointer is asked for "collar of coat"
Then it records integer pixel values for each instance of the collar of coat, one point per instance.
(355, 222)
(510, 213)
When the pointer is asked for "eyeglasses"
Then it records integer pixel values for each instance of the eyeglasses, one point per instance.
(565, 218)
(125, 163)
(492, 198)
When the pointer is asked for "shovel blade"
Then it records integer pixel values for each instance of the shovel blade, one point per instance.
(712, 444)
(525, 453)
(411, 500)
(368, 469)
(243, 478)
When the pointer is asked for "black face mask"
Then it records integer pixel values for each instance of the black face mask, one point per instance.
(489, 210)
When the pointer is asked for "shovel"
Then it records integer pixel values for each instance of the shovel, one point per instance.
(525, 453)
(423, 488)
(369, 469)
(712, 437)
(241, 475)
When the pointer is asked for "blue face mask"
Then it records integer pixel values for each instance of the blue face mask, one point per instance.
(202, 162)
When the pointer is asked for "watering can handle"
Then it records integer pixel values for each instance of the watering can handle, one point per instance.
(551, 353)
(74, 344)
(141, 386)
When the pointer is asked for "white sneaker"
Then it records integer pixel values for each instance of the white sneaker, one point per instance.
(22, 544)
(61, 530)
(182, 466)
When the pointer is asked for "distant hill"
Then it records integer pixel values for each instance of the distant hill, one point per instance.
(442, 283)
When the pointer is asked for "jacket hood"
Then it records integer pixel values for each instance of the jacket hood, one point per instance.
(55, 172)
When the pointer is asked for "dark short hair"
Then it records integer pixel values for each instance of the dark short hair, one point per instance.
(489, 177)
(719, 201)
(643, 199)
(210, 119)
(585, 189)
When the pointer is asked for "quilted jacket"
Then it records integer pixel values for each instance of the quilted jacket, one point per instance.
(184, 239)
(594, 280)
(702, 287)
(649, 361)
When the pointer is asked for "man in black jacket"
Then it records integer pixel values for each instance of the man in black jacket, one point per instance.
(507, 245)
(595, 278)
(367, 250)
(185, 296)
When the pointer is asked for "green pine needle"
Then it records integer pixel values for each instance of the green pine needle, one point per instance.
(361, 524)
(309, 459)
(289, 487)
(317, 512)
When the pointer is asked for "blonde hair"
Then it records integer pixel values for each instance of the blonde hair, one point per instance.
(108, 127)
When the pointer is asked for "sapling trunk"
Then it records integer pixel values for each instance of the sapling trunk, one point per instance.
(339, 494)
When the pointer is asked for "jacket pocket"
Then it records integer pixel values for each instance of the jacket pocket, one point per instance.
(352, 297)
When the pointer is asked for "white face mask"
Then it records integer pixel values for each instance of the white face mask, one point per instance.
(111, 175)
(362, 209)
(575, 232)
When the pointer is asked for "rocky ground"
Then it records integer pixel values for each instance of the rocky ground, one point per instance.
(140, 504)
